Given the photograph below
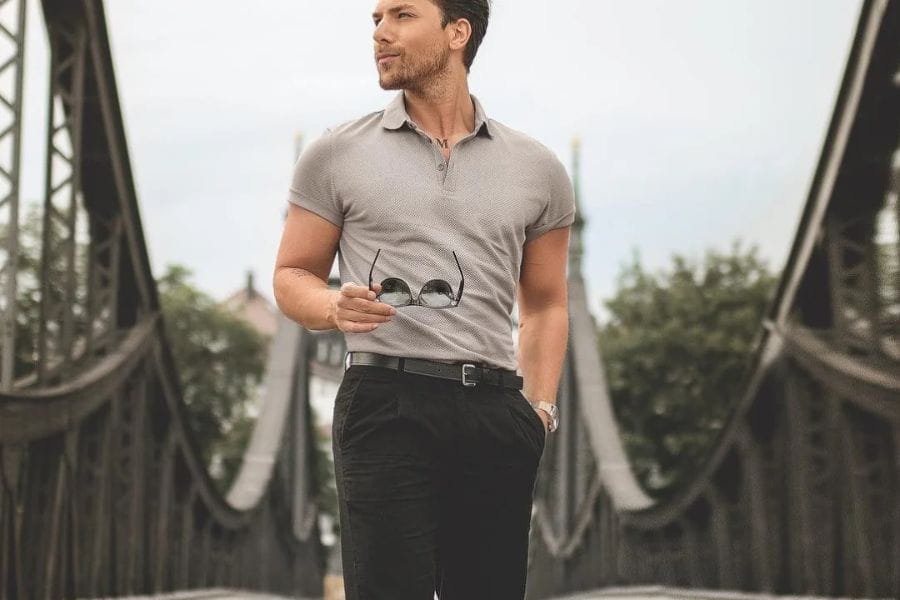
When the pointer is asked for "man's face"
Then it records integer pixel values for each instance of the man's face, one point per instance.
(410, 31)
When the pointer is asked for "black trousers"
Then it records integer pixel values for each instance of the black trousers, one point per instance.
(435, 486)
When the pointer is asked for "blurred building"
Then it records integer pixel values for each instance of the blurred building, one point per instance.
(252, 307)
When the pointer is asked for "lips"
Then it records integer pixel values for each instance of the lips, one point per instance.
(385, 58)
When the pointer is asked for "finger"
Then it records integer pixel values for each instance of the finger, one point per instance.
(361, 305)
(345, 314)
(358, 317)
(354, 290)
(353, 327)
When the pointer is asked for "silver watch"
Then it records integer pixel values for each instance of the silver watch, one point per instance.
(549, 408)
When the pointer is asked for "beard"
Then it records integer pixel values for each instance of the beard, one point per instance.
(414, 71)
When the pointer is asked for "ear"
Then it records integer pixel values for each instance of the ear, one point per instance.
(459, 32)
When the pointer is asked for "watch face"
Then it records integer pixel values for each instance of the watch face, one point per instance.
(551, 409)
(554, 420)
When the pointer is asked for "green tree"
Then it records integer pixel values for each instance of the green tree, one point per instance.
(29, 283)
(221, 360)
(676, 346)
(219, 357)
(28, 297)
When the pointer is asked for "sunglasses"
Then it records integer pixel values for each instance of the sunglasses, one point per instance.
(436, 293)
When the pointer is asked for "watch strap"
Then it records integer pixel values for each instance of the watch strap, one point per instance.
(551, 409)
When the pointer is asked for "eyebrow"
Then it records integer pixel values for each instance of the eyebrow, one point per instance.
(394, 9)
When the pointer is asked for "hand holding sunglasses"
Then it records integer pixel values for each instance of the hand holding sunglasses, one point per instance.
(436, 293)
(354, 309)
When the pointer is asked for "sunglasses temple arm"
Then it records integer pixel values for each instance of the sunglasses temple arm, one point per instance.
(373, 267)
(462, 279)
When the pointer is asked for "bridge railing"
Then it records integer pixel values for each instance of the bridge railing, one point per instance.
(801, 492)
(102, 491)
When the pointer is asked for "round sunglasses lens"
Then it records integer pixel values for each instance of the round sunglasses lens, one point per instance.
(395, 292)
(436, 293)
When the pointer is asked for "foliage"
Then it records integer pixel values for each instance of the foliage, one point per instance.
(28, 296)
(219, 357)
(29, 281)
(676, 346)
(220, 360)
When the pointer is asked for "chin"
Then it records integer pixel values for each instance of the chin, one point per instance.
(388, 83)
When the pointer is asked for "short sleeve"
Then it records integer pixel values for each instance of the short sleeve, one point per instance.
(559, 210)
(312, 184)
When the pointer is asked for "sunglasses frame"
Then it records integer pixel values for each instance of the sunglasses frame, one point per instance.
(415, 299)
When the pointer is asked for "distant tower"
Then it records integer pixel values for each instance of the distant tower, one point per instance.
(576, 242)
(248, 304)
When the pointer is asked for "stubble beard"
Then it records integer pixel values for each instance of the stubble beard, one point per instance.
(406, 73)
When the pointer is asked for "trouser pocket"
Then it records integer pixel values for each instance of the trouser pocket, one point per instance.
(343, 401)
(523, 413)
(367, 409)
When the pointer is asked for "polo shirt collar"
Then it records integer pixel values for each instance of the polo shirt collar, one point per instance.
(395, 115)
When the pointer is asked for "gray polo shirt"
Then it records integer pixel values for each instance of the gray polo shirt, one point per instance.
(386, 184)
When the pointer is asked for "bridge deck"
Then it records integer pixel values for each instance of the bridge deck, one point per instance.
(669, 593)
(618, 593)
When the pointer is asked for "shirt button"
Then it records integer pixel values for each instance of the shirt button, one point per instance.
(441, 167)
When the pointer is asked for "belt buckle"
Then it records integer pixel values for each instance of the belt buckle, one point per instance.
(465, 381)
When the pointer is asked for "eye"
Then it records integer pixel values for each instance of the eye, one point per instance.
(403, 14)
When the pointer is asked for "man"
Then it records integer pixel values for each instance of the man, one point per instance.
(440, 216)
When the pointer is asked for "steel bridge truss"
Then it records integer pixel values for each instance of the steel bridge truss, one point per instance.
(102, 492)
(801, 494)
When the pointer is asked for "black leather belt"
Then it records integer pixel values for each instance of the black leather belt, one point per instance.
(468, 374)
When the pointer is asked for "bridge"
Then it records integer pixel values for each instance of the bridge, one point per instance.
(103, 492)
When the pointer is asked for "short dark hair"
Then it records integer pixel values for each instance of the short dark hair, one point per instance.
(474, 11)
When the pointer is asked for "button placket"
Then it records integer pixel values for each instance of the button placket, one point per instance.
(449, 163)
(443, 166)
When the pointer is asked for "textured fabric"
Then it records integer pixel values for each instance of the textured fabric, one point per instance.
(435, 485)
(385, 183)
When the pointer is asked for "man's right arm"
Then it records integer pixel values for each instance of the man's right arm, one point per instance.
(300, 281)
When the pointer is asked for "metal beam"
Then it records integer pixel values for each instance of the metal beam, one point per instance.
(9, 202)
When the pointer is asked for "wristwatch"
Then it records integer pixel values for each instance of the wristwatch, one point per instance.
(549, 408)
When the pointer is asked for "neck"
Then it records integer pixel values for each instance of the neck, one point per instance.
(443, 107)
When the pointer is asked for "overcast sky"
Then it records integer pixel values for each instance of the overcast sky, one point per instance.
(700, 121)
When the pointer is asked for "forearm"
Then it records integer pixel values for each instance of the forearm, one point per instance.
(305, 298)
(542, 348)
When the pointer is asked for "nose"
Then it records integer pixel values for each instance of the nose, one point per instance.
(382, 34)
